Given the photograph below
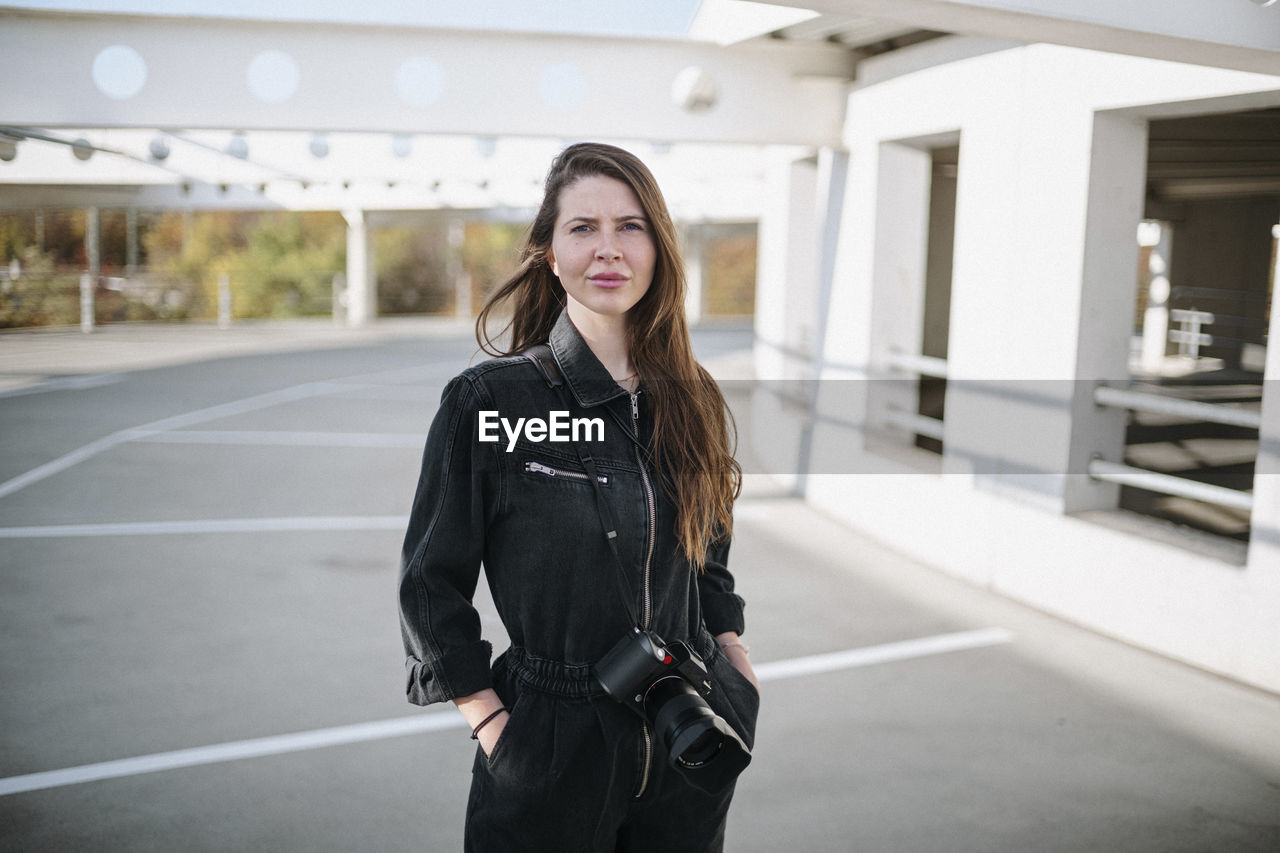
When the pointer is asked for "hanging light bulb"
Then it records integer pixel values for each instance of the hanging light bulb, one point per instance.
(319, 145)
(8, 149)
(402, 145)
(238, 146)
(82, 149)
(159, 148)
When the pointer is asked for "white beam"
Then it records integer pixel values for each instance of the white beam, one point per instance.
(1235, 34)
(120, 71)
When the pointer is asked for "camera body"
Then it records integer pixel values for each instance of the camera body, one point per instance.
(666, 685)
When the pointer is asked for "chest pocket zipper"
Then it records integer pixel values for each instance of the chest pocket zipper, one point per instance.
(548, 471)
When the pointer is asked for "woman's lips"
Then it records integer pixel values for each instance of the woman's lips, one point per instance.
(608, 280)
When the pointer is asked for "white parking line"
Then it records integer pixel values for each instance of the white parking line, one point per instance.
(277, 745)
(211, 413)
(236, 407)
(283, 438)
(400, 726)
(222, 525)
(868, 655)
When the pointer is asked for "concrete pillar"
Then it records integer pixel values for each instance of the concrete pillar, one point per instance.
(787, 271)
(787, 262)
(1117, 187)
(131, 241)
(86, 302)
(362, 281)
(903, 181)
(93, 262)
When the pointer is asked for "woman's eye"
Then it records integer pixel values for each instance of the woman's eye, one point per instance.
(633, 226)
(579, 229)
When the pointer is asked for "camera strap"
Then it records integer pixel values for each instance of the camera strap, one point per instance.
(543, 359)
(610, 525)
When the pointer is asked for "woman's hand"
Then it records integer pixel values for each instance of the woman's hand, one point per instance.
(476, 708)
(736, 652)
(489, 735)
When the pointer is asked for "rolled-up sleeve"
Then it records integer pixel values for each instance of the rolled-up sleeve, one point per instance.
(440, 563)
(721, 606)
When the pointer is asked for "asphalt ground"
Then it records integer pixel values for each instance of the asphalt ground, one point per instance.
(199, 535)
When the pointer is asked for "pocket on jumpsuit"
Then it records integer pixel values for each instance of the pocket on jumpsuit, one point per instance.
(523, 756)
(738, 702)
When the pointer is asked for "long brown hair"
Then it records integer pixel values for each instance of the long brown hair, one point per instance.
(691, 433)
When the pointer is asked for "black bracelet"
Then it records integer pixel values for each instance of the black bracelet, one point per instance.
(475, 733)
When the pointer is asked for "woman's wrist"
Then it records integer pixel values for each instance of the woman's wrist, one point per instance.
(486, 716)
(730, 640)
(737, 653)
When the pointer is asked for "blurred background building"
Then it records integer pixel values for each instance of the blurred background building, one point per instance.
(1010, 263)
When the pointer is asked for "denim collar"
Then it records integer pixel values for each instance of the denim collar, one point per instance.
(584, 374)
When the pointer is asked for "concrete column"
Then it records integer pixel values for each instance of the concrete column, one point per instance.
(93, 258)
(131, 241)
(86, 302)
(903, 180)
(787, 250)
(362, 281)
(786, 271)
(1117, 187)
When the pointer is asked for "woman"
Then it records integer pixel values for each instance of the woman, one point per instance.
(561, 765)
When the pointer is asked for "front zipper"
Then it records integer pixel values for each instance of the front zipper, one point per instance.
(648, 497)
(548, 471)
(647, 757)
(648, 559)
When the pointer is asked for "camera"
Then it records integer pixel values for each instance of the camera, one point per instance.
(665, 684)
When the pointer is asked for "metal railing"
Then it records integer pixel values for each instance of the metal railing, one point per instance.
(925, 365)
(1171, 484)
(1163, 404)
(921, 365)
(919, 424)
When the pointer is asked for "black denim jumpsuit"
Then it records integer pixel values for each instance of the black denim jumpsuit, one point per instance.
(573, 770)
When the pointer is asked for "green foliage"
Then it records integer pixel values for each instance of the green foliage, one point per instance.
(413, 270)
(40, 296)
(490, 253)
(729, 275)
(279, 264)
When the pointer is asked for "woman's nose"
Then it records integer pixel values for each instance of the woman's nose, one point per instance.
(607, 249)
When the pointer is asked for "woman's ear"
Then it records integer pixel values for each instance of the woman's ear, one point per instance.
(551, 261)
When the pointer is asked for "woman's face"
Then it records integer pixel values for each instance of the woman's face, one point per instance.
(602, 249)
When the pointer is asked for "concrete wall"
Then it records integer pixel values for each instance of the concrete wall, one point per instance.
(1049, 193)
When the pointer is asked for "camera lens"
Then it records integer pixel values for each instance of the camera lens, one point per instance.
(704, 748)
(684, 721)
